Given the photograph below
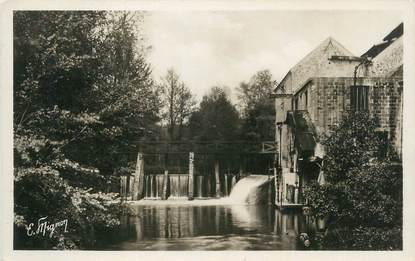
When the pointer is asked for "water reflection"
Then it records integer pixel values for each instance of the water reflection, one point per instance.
(240, 227)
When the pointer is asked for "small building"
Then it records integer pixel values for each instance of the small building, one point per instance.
(316, 93)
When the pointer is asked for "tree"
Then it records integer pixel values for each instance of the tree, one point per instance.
(185, 106)
(83, 95)
(217, 118)
(125, 93)
(178, 101)
(257, 90)
(362, 199)
(258, 110)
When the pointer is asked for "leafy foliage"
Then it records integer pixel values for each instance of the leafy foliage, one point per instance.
(178, 102)
(362, 200)
(83, 95)
(257, 90)
(217, 118)
(258, 111)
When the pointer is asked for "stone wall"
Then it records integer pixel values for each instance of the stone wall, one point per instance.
(328, 98)
(388, 60)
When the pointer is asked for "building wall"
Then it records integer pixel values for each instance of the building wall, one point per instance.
(388, 60)
(328, 98)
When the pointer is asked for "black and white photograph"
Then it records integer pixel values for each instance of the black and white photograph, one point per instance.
(217, 129)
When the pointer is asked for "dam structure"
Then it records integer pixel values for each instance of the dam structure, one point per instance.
(200, 171)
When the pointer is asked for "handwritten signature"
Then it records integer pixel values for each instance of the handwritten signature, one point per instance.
(44, 226)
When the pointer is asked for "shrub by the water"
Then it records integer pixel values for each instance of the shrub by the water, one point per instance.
(362, 199)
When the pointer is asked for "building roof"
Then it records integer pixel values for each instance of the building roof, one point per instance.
(387, 41)
(314, 64)
(396, 33)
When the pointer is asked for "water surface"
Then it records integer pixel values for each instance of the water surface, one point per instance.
(154, 225)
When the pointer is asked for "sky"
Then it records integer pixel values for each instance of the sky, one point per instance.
(209, 48)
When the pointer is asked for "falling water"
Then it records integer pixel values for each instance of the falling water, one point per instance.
(249, 190)
(199, 186)
(147, 186)
(178, 185)
(159, 185)
(245, 188)
(153, 186)
(233, 182)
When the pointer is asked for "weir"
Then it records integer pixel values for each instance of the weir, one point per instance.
(250, 190)
(253, 189)
(178, 186)
(197, 170)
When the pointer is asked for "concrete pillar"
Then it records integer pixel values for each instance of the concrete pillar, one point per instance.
(138, 188)
(218, 192)
(191, 176)
(165, 195)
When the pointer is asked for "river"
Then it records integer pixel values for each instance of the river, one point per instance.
(207, 225)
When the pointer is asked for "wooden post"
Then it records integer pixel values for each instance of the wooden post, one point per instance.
(296, 193)
(218, 192)
(138, 187)
(131, 187)
(226, 184)
(269, 191)
(227, 181)
(164, 195)
(276, 179)
(191, 176)
(123, 185)
(208, 180)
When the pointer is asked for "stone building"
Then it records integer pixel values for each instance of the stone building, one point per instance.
(315, 94)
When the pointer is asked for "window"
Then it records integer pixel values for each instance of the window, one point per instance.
(306, 99)
(296, 104)
(359, 98)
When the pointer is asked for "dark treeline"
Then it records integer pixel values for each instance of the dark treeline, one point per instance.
(216, 117)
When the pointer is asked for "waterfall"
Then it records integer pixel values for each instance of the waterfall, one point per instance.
(174, 185)
(153, 186)
(233, 182)
(183, 185)
(178, 185)
(146, 185)
(159, 185)
(199, 186)
(250, 190)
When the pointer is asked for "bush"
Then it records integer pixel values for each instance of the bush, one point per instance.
(48, 195)
(362, 200)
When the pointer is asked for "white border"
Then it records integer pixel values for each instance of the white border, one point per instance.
(6, 130)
